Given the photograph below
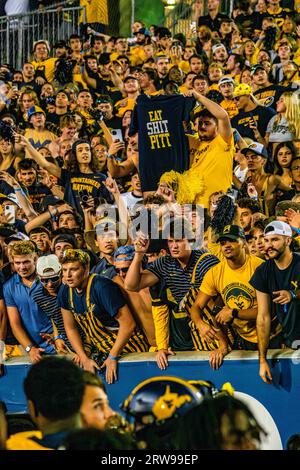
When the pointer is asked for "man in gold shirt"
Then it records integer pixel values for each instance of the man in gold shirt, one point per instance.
(96, 11)
(230, 279)
(42, 62)
(212, 150)
(211, 156)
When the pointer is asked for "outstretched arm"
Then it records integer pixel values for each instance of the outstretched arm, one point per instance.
(52, 168)
(224, 125)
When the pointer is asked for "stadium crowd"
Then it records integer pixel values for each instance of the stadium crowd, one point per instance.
(150, 191)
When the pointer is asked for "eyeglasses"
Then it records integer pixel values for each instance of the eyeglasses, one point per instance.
(121, 270)
(295, 168)
(53, 280)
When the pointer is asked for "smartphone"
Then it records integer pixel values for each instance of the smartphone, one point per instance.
(117, 135)
(10, 211)
(16, 85)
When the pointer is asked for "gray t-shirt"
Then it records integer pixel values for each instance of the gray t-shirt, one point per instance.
(279, 131)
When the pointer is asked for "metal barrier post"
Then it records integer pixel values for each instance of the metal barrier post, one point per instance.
(7, 42)
(19, 32)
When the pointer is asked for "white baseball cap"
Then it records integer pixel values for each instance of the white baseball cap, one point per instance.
(278, 228)
(218, 46)
(48, 266)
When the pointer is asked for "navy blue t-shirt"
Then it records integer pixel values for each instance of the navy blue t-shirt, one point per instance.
(93, 183)
(106, 299)
(163, 145)
(261, 116)
(268, 278)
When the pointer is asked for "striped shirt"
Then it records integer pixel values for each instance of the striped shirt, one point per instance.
(177, 278)
(49, 305)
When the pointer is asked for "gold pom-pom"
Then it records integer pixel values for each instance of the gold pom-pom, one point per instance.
(187, 186)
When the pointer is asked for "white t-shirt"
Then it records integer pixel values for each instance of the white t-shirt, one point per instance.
(130, 200)
(16, 7)
(240, 174)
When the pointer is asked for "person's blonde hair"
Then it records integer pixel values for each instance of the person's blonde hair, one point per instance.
(21, 248)
(291, 101)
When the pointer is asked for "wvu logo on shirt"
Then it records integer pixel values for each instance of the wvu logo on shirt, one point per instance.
(168, 403)
(268, 101)
(158, 131)
(238, 296)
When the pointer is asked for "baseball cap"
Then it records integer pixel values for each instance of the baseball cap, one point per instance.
(41, 41)
(10, 197)
(232, 232)
(16, 237)
(103, 99)
(217, 46)
(129, 77)
(257, 148)
(278, 228)
(48, 266)
(126, 252)
(242, 89)
(34, 110)
(255, 68)
(144, 31)
(225, 79)
(6, 230)
(60, 44)
(65, 238)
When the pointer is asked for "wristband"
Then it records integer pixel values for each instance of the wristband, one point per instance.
(234, 315)
(53, 216)
(113, 358)
(295, 230)
(110, 156)
(57, 337)
(19, 190)
(293, 294)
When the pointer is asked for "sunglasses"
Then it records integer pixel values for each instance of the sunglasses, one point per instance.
(121, 270)
(53, 280)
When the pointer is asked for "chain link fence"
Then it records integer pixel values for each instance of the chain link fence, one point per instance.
(19, 32)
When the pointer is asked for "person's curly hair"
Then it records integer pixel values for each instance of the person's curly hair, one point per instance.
(73, 166)
(22, 248)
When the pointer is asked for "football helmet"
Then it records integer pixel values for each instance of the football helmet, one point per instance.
(158, 399)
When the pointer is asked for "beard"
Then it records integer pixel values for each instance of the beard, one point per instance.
(277, 254)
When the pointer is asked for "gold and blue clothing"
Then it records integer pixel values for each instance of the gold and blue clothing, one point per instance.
(95, 310)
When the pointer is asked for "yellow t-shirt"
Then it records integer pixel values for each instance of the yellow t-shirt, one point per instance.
(213, 161)
(234, 287)
(25, 441)
(47, 66)
(230, 107)
(136, 56)
(184, 65)
(77, 77)
(183, 89)
(126, 104)
(96, 11)
(39, 139)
